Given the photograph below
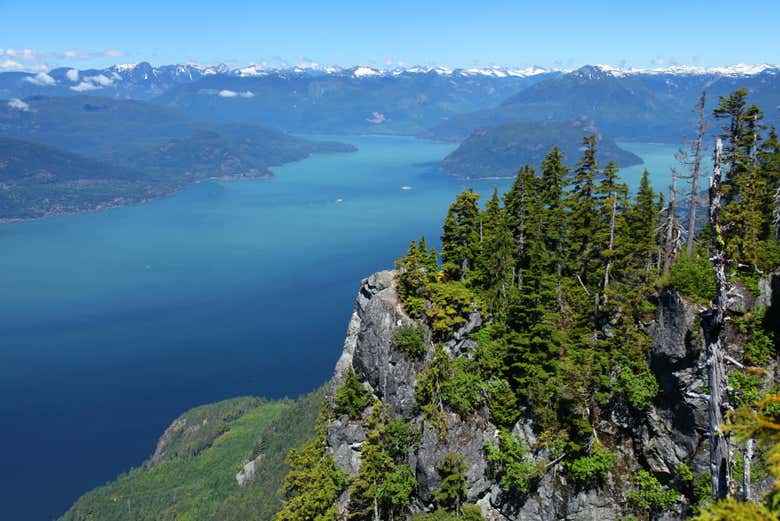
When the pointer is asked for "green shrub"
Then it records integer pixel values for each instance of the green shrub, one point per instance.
(453, 490)
(351, 397)
(640, 388)
(450, 305)
(745, 387)
(685, 473)
(410, 339)
(463, 391)
(692, 276)
(596, 466)
(469, 512)
(502, 403)
(649, 495)
(511, 460)
(760, 347)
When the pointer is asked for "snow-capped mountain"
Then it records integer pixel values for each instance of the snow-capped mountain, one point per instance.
(436, 101)
(144, 81)
(692, 70)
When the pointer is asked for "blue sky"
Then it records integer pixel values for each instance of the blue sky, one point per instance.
(386, 33)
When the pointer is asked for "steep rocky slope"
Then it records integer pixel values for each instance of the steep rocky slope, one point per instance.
(661, 440)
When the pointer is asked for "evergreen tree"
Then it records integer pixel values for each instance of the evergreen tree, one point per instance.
(461, 236)
(495, 266)
(583, 223)
(745, 186)
(552, 192)
(522, 203)
(769, 165)
(452, 492)
(611, 195)
(351, 398)
(739, 135)
(312, 485)
(641, 223)
(383, 488)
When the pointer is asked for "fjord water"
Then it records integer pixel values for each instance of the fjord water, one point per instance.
(112, 323)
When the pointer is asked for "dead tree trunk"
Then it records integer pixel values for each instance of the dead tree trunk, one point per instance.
(777, 214)
(747, 458)
(670, 230)
(695, 172)
(712, 325)
(611, 245)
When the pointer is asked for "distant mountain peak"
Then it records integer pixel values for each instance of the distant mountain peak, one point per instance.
(741, 69)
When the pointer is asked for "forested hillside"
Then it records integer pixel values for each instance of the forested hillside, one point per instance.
(574, 351)
(567, 316)
(71, 154)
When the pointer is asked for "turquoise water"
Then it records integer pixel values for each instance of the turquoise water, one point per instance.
(115, 322)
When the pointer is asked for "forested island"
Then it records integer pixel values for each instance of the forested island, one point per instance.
(495, 152)
(574, 351)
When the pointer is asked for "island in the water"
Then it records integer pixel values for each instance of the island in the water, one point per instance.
(496, 152)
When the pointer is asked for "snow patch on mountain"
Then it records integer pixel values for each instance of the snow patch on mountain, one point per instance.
(362, 72)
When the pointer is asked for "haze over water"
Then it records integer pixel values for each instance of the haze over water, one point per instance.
(115, 322)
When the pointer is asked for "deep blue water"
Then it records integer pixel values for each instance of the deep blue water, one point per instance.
(113, 323)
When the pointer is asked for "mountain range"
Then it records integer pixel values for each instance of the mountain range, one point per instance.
(182, 123)
(436, 102)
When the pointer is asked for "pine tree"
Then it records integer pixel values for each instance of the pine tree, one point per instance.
(641, 224)
(312, 485)
(521, 203)
(769, 166)
(739, 138)
(583, 223)
(383, 488)
(461, 236)
(610, 192)
(551, 193)
(452, 492)
(351, 398)
(495, 266)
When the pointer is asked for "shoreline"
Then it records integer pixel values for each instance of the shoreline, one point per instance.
(128, 203)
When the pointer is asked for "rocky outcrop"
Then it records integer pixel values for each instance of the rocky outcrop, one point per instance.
(247, 473)
(673, 432)
(390, 374)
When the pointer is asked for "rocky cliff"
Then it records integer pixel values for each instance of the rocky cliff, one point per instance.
(671, 433)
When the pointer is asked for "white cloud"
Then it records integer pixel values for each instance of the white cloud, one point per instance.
(25, 54)
(72, 75)
(41, 79)
(88, 55)
(10, 65)
(85, 86)
(232, 94)
(18, 104)
(100, 79)
(91, 82)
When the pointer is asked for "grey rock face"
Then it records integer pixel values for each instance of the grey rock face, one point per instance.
(675, 429)
(672, 433)
(247, 473)
(344, 439)
(390, 373)
(466, 438)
